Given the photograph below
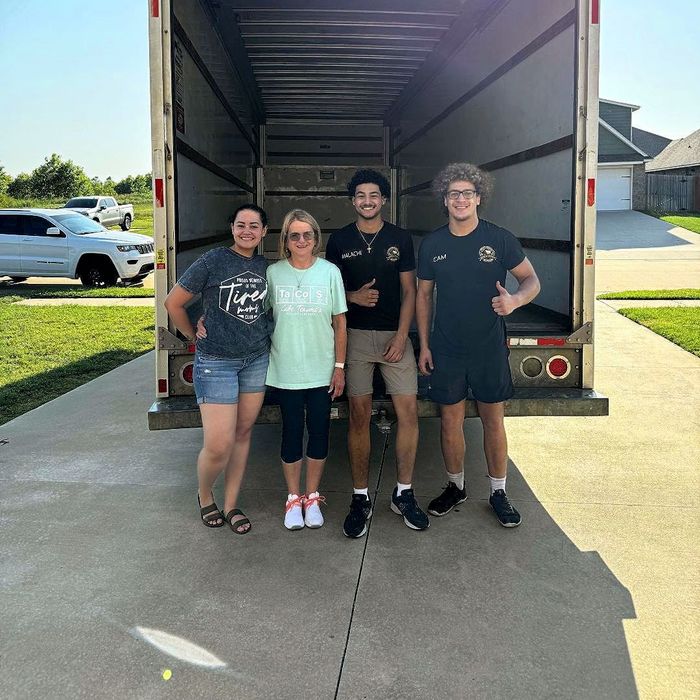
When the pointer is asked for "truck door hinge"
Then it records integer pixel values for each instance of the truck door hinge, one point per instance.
(582, 335)
(168, 152)
(168, 341)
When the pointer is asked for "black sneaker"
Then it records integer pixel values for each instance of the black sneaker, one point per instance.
(406, 505)
(355, 524)
(450, 497)
(507, 515)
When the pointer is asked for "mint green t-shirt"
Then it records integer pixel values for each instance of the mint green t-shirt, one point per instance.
(303, 304)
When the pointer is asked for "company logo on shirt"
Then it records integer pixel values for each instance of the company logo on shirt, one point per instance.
(393, 254)
(487, 254)
(440, 258)
(351, 254)
(243, 296)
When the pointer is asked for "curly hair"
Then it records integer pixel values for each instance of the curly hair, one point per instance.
(305, 217)
(482, 181)
(362, 177)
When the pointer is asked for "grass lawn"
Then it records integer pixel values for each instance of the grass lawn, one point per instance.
(653, 294)
(689, 221)
(49, 350)
(143, 218)
(679, 325)
(69, 291)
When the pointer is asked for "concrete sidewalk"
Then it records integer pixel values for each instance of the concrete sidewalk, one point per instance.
(108, 578)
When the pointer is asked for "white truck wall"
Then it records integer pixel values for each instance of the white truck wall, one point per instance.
(528, 105)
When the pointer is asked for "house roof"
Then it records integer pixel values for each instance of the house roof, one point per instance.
(650, 143)
(681, 153)
(622, 138)
(620, 104)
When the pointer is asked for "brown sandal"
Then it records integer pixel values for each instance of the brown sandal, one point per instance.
(210, 514)
(235, 525)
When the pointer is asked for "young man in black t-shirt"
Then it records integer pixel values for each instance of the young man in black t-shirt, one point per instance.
(467, 260)
(377, 262)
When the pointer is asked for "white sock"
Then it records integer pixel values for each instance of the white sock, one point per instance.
(457, 479)
(400, 488)
(292, 496)
(312, 495)
(497, 483)
(363, 492)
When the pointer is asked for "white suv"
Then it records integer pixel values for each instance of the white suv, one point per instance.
(63, 243)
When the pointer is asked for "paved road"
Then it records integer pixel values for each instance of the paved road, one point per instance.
(636, 251)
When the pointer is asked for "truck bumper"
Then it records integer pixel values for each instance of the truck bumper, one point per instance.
(183, 412)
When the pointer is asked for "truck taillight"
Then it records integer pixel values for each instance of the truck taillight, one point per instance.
(531, 367)
(558, 367)
(187, 373)
(162, 386)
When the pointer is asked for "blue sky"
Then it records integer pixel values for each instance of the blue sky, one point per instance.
(75, 77)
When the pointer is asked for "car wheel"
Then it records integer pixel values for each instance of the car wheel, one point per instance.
(98, 275)
(126, 224)
(18, 279)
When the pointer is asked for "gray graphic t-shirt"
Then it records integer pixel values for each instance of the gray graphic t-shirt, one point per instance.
(233, 290)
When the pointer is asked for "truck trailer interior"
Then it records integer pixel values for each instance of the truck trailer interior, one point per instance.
(279, 103)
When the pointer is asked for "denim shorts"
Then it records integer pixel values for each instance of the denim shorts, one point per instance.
(222, 379)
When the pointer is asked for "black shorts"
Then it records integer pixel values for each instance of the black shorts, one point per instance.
(486, 373)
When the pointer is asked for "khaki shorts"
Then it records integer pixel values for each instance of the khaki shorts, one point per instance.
(365, 350)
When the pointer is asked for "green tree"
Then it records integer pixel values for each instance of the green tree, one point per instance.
(56, 178)
(20, 187)
(5, 180)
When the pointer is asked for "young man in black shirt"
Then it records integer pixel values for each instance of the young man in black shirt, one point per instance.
(467, 260)
(377, 262)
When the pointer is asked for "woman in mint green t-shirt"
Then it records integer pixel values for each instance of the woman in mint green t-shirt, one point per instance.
(307, 358)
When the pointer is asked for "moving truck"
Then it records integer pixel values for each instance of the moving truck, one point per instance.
(278, 103)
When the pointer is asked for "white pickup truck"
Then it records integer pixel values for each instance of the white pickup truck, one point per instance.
(63, 243)
(104, 210)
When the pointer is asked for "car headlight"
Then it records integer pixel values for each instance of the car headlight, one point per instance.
(126, 248)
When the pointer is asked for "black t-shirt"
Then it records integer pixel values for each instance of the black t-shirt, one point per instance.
(465, 270)
(392, 253)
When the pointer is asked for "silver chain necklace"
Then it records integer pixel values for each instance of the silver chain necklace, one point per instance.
(303, 274)
(363, 234)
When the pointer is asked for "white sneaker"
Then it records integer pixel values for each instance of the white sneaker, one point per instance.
(312, 511)
(293, 516)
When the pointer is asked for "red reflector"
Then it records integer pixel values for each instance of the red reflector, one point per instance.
(589, 261)
(159, 192)
(191, 348)
(187, 372)
(162, 386)
(551, 341)
(595, 11)
(591, 192)
(155, 8)
(558, 367)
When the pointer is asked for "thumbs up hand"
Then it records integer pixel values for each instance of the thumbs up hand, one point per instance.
(505, 303)
(365, 295)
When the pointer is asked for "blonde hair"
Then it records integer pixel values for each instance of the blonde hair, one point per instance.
(298, 215)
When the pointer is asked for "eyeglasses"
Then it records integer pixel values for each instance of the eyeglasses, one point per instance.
(308, 236)
(454, 195)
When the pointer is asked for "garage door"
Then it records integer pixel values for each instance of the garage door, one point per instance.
(614, 188)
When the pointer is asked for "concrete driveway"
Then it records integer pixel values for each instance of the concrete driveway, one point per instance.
(108, 579)
(636, 251)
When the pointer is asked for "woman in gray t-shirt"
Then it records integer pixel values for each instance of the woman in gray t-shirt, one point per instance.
(231, 362)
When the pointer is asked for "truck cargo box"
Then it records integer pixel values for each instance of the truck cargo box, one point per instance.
(279, 103)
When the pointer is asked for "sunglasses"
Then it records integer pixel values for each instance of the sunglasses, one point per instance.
(307, 235)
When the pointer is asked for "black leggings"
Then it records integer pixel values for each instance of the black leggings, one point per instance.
(317, 402)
